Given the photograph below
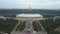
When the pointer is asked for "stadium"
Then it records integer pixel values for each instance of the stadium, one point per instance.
(31, 17)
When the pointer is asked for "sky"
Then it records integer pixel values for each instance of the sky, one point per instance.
(35, 4)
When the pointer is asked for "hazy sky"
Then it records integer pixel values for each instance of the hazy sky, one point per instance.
(39, 4)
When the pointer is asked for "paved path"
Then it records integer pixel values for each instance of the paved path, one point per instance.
(16, 26)
(29, 24)
(14, 30)
(43, 30)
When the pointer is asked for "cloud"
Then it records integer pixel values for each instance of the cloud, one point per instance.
(39, 4)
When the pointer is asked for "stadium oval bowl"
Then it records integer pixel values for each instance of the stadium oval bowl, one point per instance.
(32, 17)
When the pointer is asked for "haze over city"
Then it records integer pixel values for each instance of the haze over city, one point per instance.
(35, 4)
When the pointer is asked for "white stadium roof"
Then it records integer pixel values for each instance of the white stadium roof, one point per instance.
(29, 15)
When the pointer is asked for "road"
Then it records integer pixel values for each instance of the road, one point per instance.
(28, 26)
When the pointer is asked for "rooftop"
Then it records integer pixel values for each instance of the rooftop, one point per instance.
(29, 15)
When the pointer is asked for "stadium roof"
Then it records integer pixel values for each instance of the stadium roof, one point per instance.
(29, 15)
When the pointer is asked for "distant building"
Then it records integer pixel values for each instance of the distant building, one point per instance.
(57, 29)
(1, 16)
(3, 32)
(56, 17)
(29, 9)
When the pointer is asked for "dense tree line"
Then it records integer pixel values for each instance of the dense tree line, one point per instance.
(51, 25)
(19, 11)
(7, 25)
(36, 26)
(21, 26)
